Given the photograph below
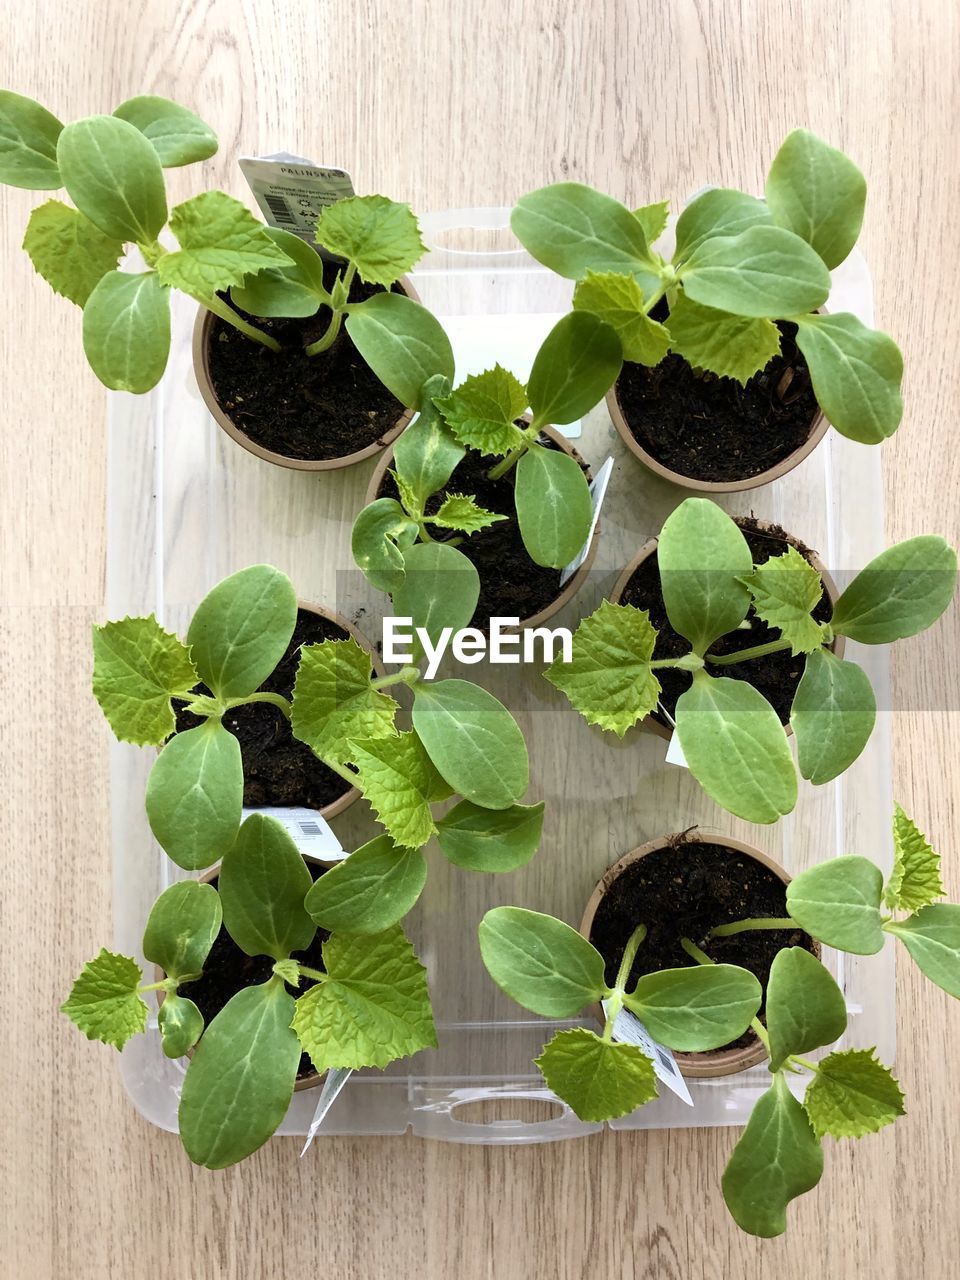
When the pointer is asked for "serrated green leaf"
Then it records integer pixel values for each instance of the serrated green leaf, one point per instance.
(294, 290)
(776, 1159)
(103, 1002)
(609, 680)
(381, 533)
(240, 1080)
(333, 701)
(915, 879)
(818, 193)
(730, 346)
(805, 1008)
(182, 927)
(542, 963)
(932, 936)
(696, 1008)
(838, 903)
(28, 144)
(490, 839)
(720, 211)
(462, 512)
(554, 507)
(137, 668)
(764, 271)
(262, 883)
(372, 1007)
(576, 365)
(69, 252)
(832, 717)
(852, 1094)
(379, 236)
(113, 175)
(618, 301)
(653, 219)
(180, 1023)
(195, 795)
(786, 589)
(901, 592)
(703, 559)
(126, 330)
(439, 591)
(221, 243)
(241, 630)
(403, 343)
(426, 454)
(370, 890)
(177, 135)
(855, 372)
(597, 1079)
(482, 411)
(736, 748)
(398, 780)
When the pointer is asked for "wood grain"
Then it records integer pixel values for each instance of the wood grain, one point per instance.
(449, 104)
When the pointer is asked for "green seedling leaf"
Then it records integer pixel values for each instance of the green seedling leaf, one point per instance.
(653, 219)
(608, 679)
(852, 1094)
(126, 330)
(703, 559)
(483, 410)
(541, 963)
(805, 1007)
(182, 927)
(369, 891)
(178, 136)
(901, 592)
(28, 144)
(730, 346)
(816, 192)
(473, 740)
(764, 271)
(372, 1007)
(573, 229)
(618, 301)
(833, 714)
(735, 746)
(461, 511)
(838, 903)
(181, 1025)
(776, 1159)
(785, 590)
(104, 1002)
(240, 1080)
(915, 879)
(399, 781)
(490, 839)
(856, 375)
(598, 1079)
(718, 212)
(137, 668)
(932, 937)
(382, 532)
(402, 343)
(241, 630)
(379, 236)
(262, 883)
(427, 454)
(440, 588)
(195, 795)
(554, 508)
(333, 700)
(69, 252)
(696, 1008)
(113, 175)
(294, 290)
(221, 243)
(576, 365)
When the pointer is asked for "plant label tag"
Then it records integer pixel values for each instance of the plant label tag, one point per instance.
(628, 1029)
(293, 192)
(337, 1077)
(598, 491)
(675, 752)
(308, 829)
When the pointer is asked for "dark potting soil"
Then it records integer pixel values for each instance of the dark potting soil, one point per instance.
(684, 891)
(277, 768)
(228, 970)
(712, 428)
(776, 676)
(310, 407)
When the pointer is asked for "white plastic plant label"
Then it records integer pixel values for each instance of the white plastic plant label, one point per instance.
(337, 1077)
(628, 1029)
(292, 192)
(308, 829)
(675, 752)
(598, 491)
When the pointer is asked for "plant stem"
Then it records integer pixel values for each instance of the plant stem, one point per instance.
(154, 986)
(506, 464)
(744, 655)
(629, 954)
(220, 308)
(407, 675)
(317, 974)
(744, 926)
(275, 700)
(342, 769)
(327, 339)
(804, 1062)
(701, 957)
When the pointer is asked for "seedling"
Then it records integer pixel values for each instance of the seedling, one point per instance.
(731, 737)
(241, 1077)
(739, 265)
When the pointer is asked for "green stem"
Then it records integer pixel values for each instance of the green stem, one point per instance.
(317, 974)
(406, 675)
(657, 295)
(745, 926)
(701, 957)
(507, 464)
(804, 1062)
(744, 655)
(343, 771)
(615, 999)
(275, 700)
(157, 986)
(220, 308)
(327, 339)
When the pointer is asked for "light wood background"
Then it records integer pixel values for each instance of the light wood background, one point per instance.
(449, 102)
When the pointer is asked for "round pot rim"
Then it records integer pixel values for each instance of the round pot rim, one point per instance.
(711, 1062)
(836, 646)
(576, 579)
(200, 347)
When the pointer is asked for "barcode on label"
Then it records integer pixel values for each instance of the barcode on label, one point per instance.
(665, 1062)
(280, 209)
(309, 828)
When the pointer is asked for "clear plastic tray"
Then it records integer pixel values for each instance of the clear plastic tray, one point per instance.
(188, 506)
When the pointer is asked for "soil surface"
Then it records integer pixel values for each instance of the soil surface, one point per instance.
(684, 891)
(712, 428)
(228, 970)
(776, 676)
(310, 407)
(277, 768)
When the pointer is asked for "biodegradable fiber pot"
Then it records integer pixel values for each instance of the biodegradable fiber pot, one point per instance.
(755, 531)
(207, 325)
(690, 883)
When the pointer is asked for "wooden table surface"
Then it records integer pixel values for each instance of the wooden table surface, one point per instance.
(449, 104)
